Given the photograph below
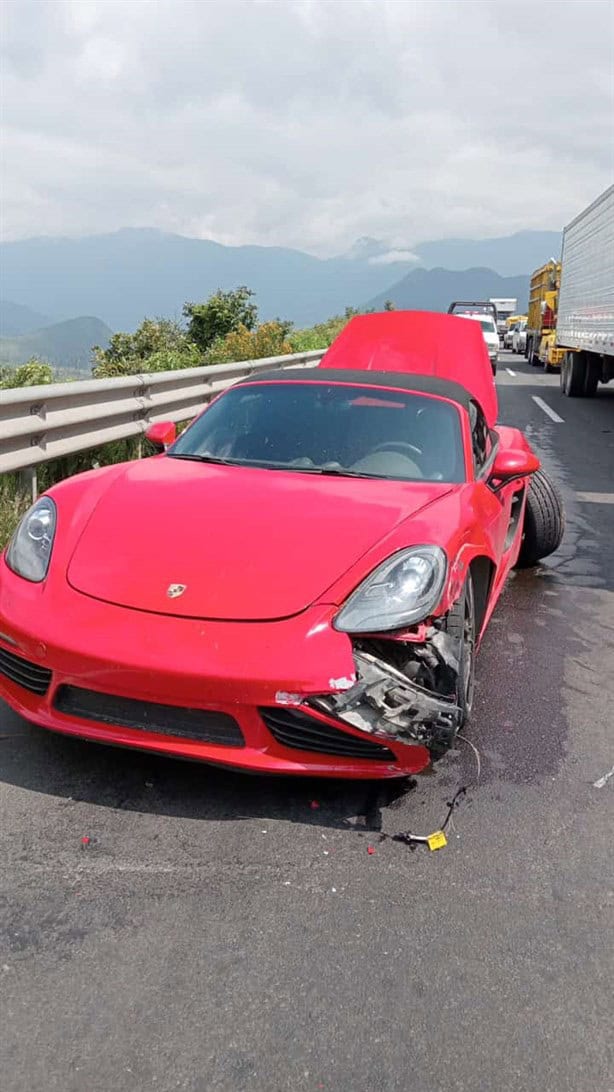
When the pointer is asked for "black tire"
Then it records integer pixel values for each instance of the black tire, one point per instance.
(592, 378)
(460, 624)
(573, 375)
(544, 521)
(563, 374)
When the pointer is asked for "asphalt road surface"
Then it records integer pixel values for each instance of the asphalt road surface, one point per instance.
(221, 934)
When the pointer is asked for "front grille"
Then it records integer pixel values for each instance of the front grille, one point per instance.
(24, 673)
(302, 732)
(149, 716)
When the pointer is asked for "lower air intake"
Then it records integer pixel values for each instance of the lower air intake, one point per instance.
(302, 732)
(149, 716)
(24, 673)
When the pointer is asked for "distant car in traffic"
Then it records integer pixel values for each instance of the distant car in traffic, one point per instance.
(519, 338)
(508, 337)
(491, 336)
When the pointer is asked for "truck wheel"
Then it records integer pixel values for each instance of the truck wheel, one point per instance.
(592, 378)
(573, 375)
(544, 521)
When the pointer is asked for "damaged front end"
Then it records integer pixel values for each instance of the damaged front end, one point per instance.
(406, 689)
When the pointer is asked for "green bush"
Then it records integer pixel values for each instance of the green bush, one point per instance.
(31, 374)
(158, 345)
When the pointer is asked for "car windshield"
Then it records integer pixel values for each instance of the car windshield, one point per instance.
(488, 326)
(326, 428)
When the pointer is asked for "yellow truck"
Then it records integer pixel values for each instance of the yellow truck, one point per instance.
(541, 347)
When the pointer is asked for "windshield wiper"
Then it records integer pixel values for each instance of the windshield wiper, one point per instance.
(332, 472)
(324, 471)
(204, 459)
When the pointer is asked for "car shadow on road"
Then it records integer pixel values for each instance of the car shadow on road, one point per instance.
(118, 778)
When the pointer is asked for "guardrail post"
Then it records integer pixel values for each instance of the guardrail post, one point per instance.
(29, 479)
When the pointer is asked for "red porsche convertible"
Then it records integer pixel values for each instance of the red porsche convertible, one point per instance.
(297, 584)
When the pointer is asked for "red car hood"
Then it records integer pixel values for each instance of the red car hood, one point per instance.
(247, 544)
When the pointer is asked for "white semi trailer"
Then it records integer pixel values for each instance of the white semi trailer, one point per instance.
(585, 317)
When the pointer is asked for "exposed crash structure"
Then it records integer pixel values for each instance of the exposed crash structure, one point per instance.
(404, 691)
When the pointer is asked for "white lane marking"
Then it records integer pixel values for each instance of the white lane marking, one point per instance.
(602, 781)
(596, 498)
(510, 372)
(546, 408)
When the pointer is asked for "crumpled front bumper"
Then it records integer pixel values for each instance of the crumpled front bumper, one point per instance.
(387, 704)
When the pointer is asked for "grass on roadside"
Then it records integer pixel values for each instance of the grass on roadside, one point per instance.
(13, 503)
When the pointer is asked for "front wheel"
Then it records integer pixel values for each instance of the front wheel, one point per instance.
(544, 521)
(460, 624)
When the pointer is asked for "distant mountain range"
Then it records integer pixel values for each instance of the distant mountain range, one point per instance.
(434, 289)
(509, 256)
(16, 319)
(66, 344)
(134, 273)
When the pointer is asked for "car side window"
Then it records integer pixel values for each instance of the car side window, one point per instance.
(481, 440)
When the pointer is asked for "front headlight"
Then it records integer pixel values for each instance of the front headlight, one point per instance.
(29, 552)
(404, 590)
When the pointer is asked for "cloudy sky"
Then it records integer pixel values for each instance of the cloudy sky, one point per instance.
(305, 123)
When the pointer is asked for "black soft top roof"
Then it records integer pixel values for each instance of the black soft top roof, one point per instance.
(419, 384)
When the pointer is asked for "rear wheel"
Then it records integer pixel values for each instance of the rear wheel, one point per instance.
(592, 378)
(573, 375)
(544, 521)
(460, 624)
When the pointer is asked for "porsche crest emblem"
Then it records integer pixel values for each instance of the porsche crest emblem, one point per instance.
(175, 590)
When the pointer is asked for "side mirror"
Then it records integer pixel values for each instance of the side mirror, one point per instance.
(511, 464)
(162, 434)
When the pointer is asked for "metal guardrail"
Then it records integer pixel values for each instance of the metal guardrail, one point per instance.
(46, 422)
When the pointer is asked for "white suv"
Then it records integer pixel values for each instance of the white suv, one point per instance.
(491, 337)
